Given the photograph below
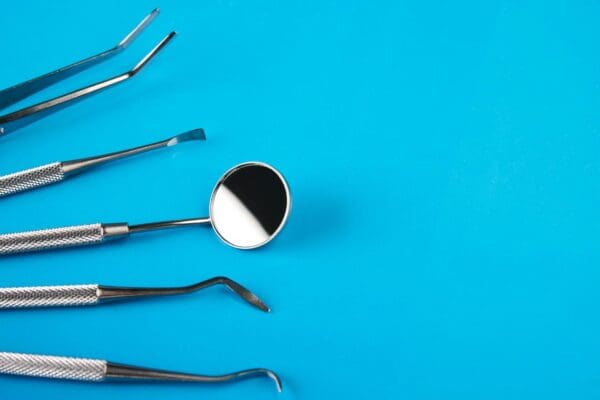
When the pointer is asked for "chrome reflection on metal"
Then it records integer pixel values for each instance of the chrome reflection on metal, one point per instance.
(18, 119)
(92, 294)
(249, 206)
(92, 370)
(58, 171)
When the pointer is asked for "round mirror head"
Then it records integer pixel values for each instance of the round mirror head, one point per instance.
(249, 205)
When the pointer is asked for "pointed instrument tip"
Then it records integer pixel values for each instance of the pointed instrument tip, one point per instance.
(150, 17)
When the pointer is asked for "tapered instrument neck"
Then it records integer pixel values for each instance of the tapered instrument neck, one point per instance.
(75, 166)
(153, 226)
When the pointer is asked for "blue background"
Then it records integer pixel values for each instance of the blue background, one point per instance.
(444, 164)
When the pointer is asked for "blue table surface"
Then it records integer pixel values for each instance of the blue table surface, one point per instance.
(443, 159)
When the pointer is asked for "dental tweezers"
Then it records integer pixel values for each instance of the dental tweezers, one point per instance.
(18, 119)
(84, 369)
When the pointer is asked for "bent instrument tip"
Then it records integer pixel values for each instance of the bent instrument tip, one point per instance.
(249, 373)
(194, 134)
(244, 293)
(131, 36)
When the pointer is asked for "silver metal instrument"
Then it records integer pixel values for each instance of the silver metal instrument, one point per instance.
(57, 171)
(17, 119)
(248, 208)
(93, 294)
(84, 369)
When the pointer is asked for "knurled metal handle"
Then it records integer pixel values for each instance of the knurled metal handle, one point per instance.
(49, 296)
(31, 178)
(81, 369)
(51, 238)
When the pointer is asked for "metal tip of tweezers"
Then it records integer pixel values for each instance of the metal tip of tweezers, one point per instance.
(131, 36)
(20, 118)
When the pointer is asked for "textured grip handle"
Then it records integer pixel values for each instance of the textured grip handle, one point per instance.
(31, 178)
(80, 369)
(50, 238)
(48, 296)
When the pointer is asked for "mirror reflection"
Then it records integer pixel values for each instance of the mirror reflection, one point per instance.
(249, 205)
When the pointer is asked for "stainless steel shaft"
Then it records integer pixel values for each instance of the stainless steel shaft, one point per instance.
(51, 238)
(57, 171)
(31, 178)
(81, 369)
(49, 296)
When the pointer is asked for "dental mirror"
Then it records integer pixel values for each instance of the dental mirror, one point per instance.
(249, 206)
